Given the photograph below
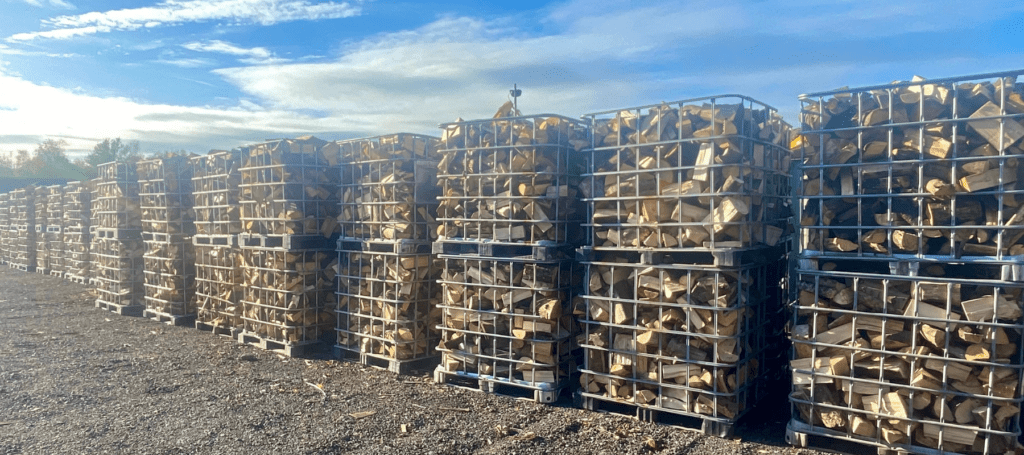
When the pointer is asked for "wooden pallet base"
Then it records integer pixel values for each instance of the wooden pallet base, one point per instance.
(289, 350)
(123, 310)
(703, 424)
(56, 273)
(77, 279)
(540, 393)
(228, 332)
(42, 271)
(797, 435)
(23, 267)
(169, 319)
(402, 367)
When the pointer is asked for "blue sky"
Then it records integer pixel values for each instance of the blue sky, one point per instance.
(215, 74)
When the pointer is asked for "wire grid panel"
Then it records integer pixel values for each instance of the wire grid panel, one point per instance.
(76, 233)
(116, 202)
(512, 179)
(288, 296)
(925, 362)
(55, 227)
(165, 195)
(23, 226)
(44, 257)
(389, 187)
(119, 271)
(215, 188)
(706, 173)
(686, 339)
(288, 188)
(387, 304)
(169, 273)
(219, 284)
(508, 320)
(5, 227)
(925, 169)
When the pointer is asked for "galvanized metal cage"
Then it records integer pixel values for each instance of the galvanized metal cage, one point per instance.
(23, 228)
(289, 294)
(5, 228)
(922, 170)
(77, 237)
(215, 180)
(705, 173)
(165, 194)
(219, 286)
(118, 271)
(512, 179)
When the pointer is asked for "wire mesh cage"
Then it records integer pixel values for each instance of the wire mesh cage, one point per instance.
(288, 296)
(215, 182)
(387, 304)
(116, 202)
(692, 340)
(118, 271)
(169, 273)
(23, 228)
(76, 233)
(288, 188)
(508, 320)
(44, 256)
(928, 363)
(512, 179)
(55, 229)
(165, 194)
(5, 228)
(918, 170)
(219, 284)
(388, 187)
(704, 173)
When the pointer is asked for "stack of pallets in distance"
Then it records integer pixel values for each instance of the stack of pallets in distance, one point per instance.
(907, 320)
(43, 257)
(509, 221)
(55, 230)
(5, 228)
(165, 197)
(117, 242)
(77, 238)
(683, 305)
(94, 226)
(22, 208)
(289, 229)
(215, 180)
(387, 276)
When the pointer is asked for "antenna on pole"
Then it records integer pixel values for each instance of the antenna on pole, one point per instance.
(515, 93)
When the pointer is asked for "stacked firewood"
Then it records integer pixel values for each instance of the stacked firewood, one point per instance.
(908, 322)
(117, 244)
(22, 210)
(77, 236)
(165, 193)
(43, 254)
(509, 211)
(215, 180)
(677, 317)
(289, 223)
(55, 229)
(5, 228)
(387, 276)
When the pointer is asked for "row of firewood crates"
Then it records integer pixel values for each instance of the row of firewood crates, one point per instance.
(659, 260)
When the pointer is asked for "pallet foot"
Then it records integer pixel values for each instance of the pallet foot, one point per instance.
(797, 436)
(673, 418)
(123, 310)
(56, 274)
(169, 319)
(402, 367)
(288, 350)
(540, 392)
(228, 332)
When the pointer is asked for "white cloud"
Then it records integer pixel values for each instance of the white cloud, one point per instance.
(50, 3)
(6, 50)
(173, 12)
(251, 56)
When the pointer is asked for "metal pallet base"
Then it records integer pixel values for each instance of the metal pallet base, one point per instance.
(718, 257)
(215, 240)
(399, 246)
(288, 242)
(169, 319)
(289, 350)
(123, 310)
(23, 267)
(77, 279)
(668, 417)
(540, 393)
(228, 332)
(56, 273)
(402, 367)
(799, 434)
(42, 271)
(471, 248)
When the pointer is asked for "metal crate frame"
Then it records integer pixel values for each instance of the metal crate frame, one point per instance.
(77, 223)
(383, 315)
(924, 168)
(165, 196)
(23, 228)
(381, 177)
(484, 162)
(55, 228)
(701, 174)
(264, 306)
(740, 364)
(219, 286)
(285, 176)
(5, 228)
(116, 204)
(160, 265)
(834, 310)
(215, 188)
(471, 349)
(119, 271)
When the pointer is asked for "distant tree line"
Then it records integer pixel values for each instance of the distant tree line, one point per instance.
(50, 160)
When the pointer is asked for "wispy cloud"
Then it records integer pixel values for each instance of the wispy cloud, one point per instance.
(251, 56)
(49, 4)
(6, 50)
(174, 12)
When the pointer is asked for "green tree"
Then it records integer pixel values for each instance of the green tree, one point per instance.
(113, 150)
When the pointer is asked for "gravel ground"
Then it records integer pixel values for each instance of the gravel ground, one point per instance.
(76, 379)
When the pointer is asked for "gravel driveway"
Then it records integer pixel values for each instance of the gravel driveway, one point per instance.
(75, 379)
